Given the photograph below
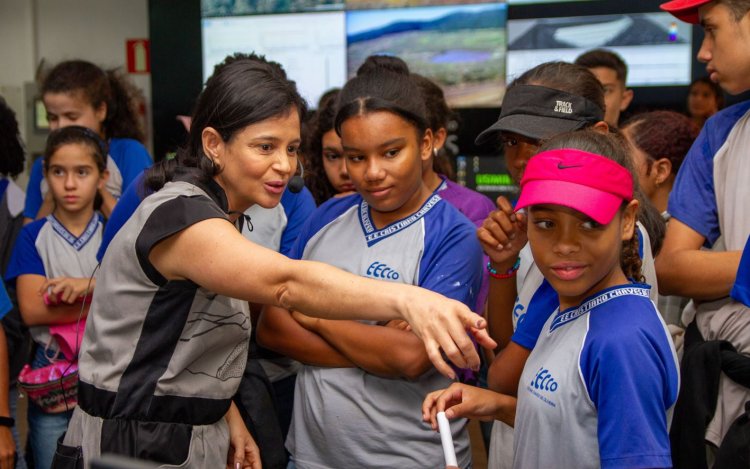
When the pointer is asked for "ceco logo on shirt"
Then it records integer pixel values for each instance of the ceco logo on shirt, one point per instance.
(381, 270)
(544, 381)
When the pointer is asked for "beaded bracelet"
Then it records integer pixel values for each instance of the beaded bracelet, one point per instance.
(510, 273)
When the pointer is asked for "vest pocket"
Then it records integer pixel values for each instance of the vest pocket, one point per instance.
(67, 457)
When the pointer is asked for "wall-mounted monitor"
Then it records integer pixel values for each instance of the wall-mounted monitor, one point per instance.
(381, 4)
(310, 46)
(656, 47)
(531, 2)
(460, 47)
(222, 8)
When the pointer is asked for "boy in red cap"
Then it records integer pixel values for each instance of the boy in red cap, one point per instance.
(708, 204)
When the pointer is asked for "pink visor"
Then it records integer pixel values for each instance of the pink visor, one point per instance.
(591, 184)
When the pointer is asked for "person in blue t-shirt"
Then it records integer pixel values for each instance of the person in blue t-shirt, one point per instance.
(600, 385)
(77, 92)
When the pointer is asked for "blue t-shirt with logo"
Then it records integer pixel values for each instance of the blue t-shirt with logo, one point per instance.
(599, 387)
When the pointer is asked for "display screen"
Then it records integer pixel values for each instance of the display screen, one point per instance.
(219, 8)
(310, 46)
(460, 47)
(486, 174)
(530, 2)
(381, 4)
(656, 47)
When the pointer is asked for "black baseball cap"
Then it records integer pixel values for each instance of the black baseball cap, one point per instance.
(539, 113)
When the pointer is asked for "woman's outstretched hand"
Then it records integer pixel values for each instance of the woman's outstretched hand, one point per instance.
(444, 325)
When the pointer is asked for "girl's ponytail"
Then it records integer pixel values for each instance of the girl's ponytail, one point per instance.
(122, 113)
(630, 260)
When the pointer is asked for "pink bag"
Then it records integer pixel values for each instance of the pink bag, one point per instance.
(54, 388)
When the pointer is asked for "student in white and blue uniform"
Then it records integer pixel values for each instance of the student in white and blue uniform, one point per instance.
(600, 384)
(57, 255)
(363, 381)
(126, 156)
(76, 92)
(530, 115)
(604, 368)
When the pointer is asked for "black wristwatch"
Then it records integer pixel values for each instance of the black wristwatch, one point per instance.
(7, 422)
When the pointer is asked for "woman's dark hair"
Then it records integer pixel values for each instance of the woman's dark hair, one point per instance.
(320, 124)
(76, 134)
(438, 115)
(662, 134)
(715, 88)
(388, 62)
(11, 148)
(614, 147)
(98, 87)
(244, 89)
(567, 77)
(382, 88)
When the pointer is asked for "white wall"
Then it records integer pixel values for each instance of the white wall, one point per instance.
(56, 30)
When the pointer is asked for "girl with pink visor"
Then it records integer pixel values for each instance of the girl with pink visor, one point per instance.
(599, 386)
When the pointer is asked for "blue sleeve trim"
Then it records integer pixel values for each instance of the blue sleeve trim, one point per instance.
(129, 201)
(693, 197)
(131, 158)
(323, 215)
(741, 289)
(655, 461)
(5, 304)
(452, 260)
(34, 197)
(542, 305)
(25, 258)
(298, 208)
(629, 370)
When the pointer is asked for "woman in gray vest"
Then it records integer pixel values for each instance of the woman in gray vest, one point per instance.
(168, 329)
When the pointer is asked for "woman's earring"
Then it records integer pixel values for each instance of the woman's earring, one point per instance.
(435, 152)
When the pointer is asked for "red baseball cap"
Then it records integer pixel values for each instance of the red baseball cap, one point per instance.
(686, 10)
(589, 183)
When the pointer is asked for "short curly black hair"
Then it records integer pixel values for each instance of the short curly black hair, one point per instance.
(12, 154)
